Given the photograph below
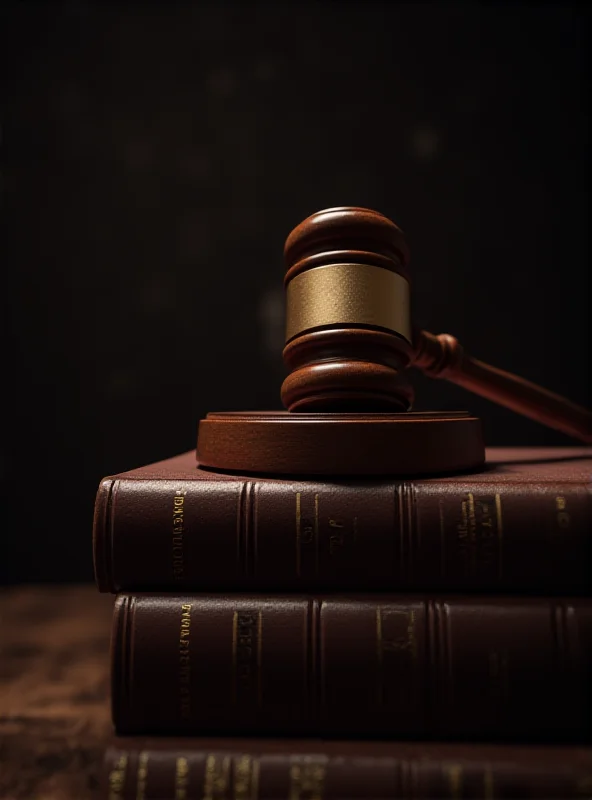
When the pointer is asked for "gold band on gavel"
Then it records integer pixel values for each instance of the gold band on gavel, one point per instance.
(358, 294)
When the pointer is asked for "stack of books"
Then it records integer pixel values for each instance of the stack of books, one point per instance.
(284, 638)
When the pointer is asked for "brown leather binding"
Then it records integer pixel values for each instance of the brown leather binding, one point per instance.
(522, 524)
(271, 769)
(381, 665)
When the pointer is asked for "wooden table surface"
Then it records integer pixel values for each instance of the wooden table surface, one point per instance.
(54, 691)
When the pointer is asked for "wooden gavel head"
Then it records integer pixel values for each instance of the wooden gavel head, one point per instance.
(349, 341)
(348, 324)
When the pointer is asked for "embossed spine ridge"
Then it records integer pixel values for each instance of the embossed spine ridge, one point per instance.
(406, 529)
(129, 633)
(314, 662)
(102, 537)
(244, 523)
(442, 664)
(407, 779)
(252, 520)
(109, 535)
(120, 659)
(438, 663)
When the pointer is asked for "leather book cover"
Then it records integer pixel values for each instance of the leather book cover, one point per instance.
(396, 666)
(522, 524)
(272, 769)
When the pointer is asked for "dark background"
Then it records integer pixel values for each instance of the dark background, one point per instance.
(154, 159)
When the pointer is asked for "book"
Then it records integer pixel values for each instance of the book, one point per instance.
(258, 769)
(522, 525)
(384, 666)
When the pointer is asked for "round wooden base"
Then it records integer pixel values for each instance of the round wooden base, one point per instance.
(280, 443)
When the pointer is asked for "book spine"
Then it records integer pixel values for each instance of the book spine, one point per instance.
(200, 535)
(186, 774)
(390, 666)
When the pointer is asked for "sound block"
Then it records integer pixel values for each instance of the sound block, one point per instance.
(283, 443)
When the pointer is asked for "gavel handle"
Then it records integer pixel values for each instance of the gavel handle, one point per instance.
(443, 357)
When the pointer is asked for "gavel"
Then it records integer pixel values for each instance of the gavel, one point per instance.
(350, 342)
(350, 338)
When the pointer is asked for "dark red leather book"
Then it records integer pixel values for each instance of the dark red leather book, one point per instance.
(405, 667)
(522, 524)
(258, 769)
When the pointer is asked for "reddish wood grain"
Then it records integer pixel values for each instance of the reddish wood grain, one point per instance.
(443, 357)
(340, 444)
(346, 367)
(359, 367)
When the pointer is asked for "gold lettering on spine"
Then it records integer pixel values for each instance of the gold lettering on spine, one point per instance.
(242, 778)
(466, 531)
(479, 536)
(337, 536)
(246, 778)
(488, 533)
(117, 778)
(396, 641)
(405, 643)
(185, 662)
(247, 639)
(178, 534)
(463, 532)
(307, 779)
(216, 778)
(563, 518)
(500, 533)
(181, 778)
(455, 777)
(142, 776)
(298, 533)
